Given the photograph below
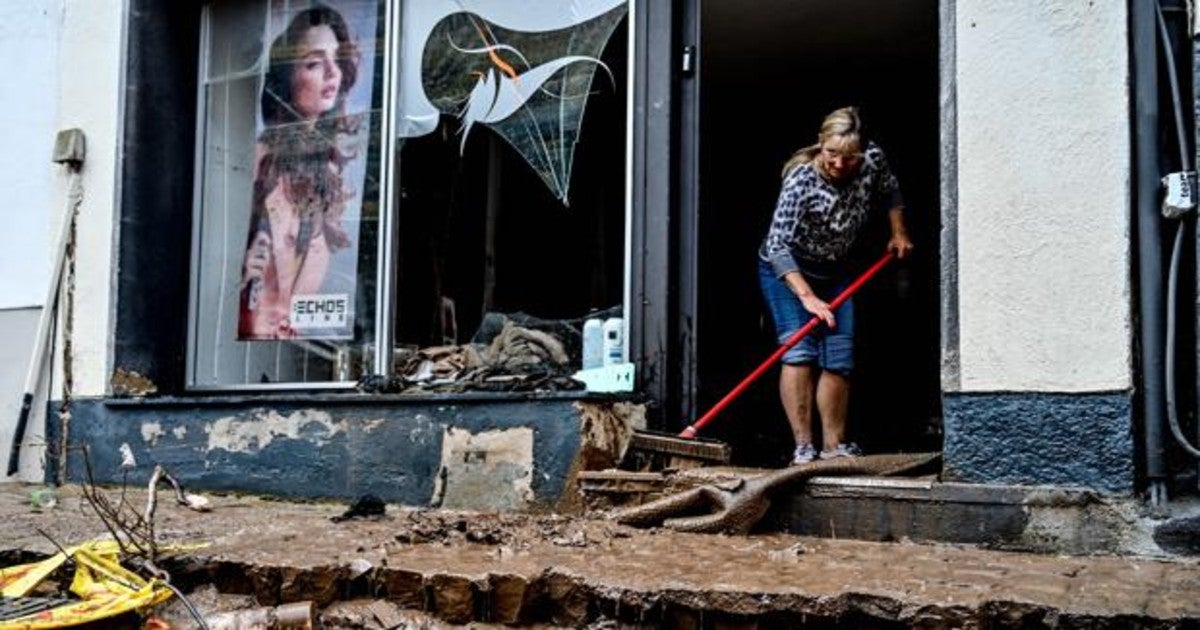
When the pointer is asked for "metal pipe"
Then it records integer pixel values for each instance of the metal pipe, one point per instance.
(386, 277)
(1185, 164)
(1143, 25)
(69, 150)
(1194, 30)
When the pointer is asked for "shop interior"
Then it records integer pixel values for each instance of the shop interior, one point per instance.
(768, 77)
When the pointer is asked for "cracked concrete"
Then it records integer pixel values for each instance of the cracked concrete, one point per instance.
(471, 567)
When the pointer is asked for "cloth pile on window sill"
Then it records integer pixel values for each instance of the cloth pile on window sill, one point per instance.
(517, 359)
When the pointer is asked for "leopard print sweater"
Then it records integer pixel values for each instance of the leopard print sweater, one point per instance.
(815, 222)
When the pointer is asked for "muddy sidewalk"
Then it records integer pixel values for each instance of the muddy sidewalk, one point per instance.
(522, 569)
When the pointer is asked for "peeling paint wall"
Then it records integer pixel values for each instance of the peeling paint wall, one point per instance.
(251, 435)
(489, 470)
(490, 455)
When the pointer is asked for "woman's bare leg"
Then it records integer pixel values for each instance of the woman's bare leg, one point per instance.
(796, 393)
(833, 397)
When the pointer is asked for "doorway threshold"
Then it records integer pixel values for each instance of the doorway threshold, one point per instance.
(924, 509)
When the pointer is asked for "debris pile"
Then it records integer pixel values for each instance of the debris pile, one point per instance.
(518, 360)
(512, 531)
(36, 594)
(735, 506)
(509, 353)
(98, 579)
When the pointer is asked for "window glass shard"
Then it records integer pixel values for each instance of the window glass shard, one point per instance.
(527, 83)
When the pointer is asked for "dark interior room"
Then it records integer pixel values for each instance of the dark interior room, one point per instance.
(542, 256)
(769, 74)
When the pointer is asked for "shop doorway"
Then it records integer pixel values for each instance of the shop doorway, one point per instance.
(769, 72)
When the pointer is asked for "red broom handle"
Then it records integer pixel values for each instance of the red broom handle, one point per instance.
(690, 431)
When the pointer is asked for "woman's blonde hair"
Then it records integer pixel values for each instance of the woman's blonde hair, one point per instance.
(843, 124)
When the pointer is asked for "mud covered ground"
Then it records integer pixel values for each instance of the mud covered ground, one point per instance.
(233, 518)
(241, 531)
(420, 568)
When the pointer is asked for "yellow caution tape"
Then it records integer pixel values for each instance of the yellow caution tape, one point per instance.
(106, 588)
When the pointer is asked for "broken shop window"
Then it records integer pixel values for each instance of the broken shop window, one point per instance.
(507, 192)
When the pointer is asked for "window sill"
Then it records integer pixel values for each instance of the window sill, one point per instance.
(360, 398)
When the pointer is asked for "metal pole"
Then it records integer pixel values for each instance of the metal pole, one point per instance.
(1149, 240)
(69, 149)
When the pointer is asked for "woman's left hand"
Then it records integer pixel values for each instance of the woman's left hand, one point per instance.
(899, 244)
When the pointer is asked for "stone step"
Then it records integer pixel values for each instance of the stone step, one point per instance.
(520, 569)
(1021, 518)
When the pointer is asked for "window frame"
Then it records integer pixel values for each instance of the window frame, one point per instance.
(201, 107)
(388, 240)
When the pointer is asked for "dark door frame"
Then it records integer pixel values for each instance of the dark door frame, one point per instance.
(662, 266)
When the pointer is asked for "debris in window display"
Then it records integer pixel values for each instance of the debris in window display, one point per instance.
(131, 384)
(510, 352)
(518, 359)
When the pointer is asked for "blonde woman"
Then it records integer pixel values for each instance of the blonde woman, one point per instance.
(830, 190)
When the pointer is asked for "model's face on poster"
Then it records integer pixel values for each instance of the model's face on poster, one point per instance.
(316, 77)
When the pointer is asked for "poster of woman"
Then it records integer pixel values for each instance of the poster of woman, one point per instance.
(299, 271)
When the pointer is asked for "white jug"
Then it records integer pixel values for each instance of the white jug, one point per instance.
(614, 341)
(593, 343)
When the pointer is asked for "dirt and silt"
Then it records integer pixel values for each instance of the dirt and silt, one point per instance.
(418, 568)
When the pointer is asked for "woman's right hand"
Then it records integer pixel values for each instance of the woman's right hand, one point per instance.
(258, 256)
(818, 307)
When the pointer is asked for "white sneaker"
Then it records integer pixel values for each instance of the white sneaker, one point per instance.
(804, 453)
(845, 449)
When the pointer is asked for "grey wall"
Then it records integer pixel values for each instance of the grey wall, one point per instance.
(17, 330)
(1082, 440)
(336, 446)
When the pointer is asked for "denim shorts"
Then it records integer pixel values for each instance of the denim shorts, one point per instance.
(831, 350)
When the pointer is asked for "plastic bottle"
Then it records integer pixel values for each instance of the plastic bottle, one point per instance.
(593, 343)
(614, 341)
(43, 499)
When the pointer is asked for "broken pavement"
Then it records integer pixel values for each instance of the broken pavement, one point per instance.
(521, 569)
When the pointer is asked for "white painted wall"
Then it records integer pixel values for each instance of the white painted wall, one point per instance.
(90, 71)
(1044, 195)
(29, 40)
(65, 59)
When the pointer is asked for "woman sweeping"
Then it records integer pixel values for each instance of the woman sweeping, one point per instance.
(830, 190)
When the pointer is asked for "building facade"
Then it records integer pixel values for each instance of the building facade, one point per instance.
(600, 156)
